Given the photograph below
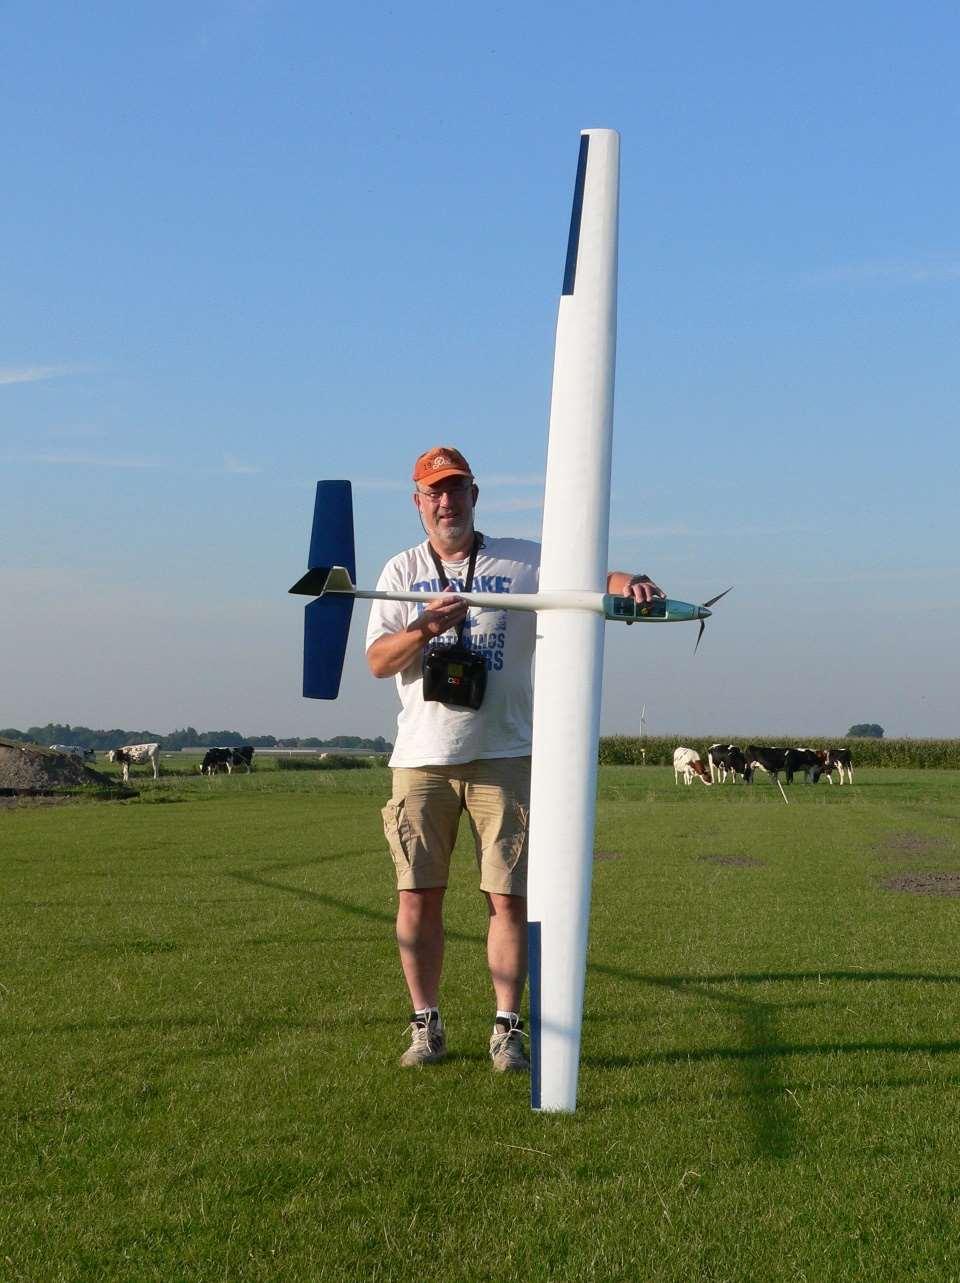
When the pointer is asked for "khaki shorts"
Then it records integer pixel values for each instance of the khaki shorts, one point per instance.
(423, 815)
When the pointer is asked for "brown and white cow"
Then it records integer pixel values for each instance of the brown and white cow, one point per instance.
(686, 762)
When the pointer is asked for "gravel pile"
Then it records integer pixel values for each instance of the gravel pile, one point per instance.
(27, 768)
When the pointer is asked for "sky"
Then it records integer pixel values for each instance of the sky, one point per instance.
(250, 245)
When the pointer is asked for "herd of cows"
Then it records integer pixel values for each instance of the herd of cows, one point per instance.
(724, 761)
(730, 761)
(214, 760)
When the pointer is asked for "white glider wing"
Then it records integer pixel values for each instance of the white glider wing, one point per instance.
(569, 666)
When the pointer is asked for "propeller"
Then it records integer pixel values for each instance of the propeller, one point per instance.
(704, 606)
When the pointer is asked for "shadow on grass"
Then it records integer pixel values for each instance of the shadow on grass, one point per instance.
(761, 1056)
(330, 901)
(772, 1050)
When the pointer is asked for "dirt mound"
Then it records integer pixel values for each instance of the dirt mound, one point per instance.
(28, 768)
(910, 844)
(924, 883)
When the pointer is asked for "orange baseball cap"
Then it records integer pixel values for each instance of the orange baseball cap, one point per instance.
(439, 462)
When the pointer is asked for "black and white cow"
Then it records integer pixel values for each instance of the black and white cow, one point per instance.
(724, 760)
(839, 759)
(74, 750)
(216, 758)
(136, 755)
(808, 760)
(767, 758)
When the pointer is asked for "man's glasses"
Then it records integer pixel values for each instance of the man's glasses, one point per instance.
(434, 496)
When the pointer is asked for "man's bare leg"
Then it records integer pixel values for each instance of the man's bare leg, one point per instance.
(420, 940)
(507, 948)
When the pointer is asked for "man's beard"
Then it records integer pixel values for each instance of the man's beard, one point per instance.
(453, 530)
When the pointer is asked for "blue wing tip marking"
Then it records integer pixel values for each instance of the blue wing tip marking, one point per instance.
(573, 241)
(534, 957)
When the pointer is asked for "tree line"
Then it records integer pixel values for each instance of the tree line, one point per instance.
(188, 737)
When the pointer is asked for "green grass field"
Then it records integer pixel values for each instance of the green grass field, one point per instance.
(201, 1013)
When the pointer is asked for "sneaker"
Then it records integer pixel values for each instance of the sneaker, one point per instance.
(506, 1047)
(428, 1042)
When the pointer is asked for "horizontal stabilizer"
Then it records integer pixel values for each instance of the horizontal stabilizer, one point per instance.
(313, 582)
(326, 626)
(323, 579)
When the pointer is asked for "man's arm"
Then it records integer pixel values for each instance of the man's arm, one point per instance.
(394, 652)
(640, 587)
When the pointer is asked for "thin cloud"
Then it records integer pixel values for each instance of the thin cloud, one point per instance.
(524, 530)
(85, 459)
(901, 576)
(91, 459)
(37, 373)
(513, 479)
(76, 431)
(233, 465)
(680, 530)
(672, 530)
(891, 272)
(529, 503)
(379, 483)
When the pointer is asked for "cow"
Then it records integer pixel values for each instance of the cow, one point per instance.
(686, 762)
(807, 760)
(724, 760)
(839, 759)
(768, 759)
(215, 758)
(74, 750)
(136, 755)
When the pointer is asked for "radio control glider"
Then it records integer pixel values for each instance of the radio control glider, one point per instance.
(571, 606)
(321, 581)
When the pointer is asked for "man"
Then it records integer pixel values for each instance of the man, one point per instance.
(451, 758)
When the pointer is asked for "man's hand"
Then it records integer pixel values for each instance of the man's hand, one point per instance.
(439, 615)
(394, 652)
(639, 587)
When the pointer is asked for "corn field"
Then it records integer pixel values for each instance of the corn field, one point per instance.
(657, 750)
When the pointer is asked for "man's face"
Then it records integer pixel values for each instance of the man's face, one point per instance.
(447, 508)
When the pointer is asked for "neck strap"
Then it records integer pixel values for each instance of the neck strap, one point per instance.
(442, 574)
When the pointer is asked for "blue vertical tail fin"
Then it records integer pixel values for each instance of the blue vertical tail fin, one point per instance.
(326, 624)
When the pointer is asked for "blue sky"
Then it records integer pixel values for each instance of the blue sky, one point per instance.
(249, 245)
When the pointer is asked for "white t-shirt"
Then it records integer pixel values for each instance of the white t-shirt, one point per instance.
(435, 734)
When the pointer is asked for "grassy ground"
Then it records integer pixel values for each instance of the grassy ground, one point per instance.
(201, 1011)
